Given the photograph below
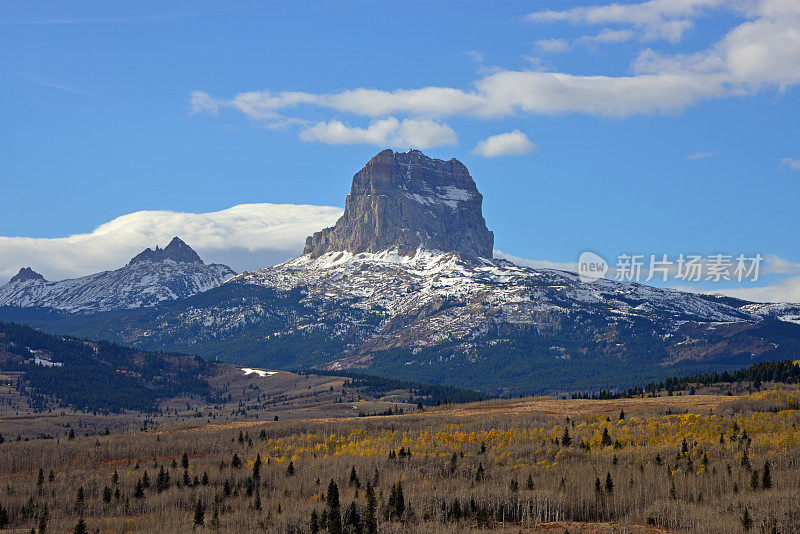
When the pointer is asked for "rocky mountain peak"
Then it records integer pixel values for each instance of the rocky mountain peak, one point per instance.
(26, 273)
(177, 251)
(406, 200)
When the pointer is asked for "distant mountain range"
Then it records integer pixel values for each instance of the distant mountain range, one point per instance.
(152, 277)
(404, 286)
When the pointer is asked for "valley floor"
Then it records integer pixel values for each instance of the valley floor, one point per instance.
(699, 463)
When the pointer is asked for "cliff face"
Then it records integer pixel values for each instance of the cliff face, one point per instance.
(407, 201)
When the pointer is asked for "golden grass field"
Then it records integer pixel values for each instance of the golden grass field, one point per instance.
(692, 463)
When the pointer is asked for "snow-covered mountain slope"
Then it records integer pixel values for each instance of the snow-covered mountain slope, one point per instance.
(154, 276)
(426, 298)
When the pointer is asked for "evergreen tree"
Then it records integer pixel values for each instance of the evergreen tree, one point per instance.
(371, 514)
(185, 461)
(80, 500)
(606, 440)
(334, 511)
(397, 503)
(138, 491)
(162, 480)
(40, 478)
(766, 478)
(354, 478)
(115, 478)
(107, 494)
(290, 469)
(566, 440)
(145, 480)
(747, 522)
(42, 524)
(313, 524)
(80, 527)
(257, 468)
(236, 462)
(609, 483)
(199, 513)
(529, 482)
(754, 479)
(480, 474)
(204, 481)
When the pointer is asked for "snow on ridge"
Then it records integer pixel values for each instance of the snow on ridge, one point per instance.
(260, 372)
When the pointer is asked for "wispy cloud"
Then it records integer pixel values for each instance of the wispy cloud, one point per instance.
(46, 82)
(702, 154)
(655, 19)
(132, 19)
(791, 163)
(761, 53)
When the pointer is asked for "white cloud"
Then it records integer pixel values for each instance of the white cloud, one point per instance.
(505, 144)
(414, 133)
(246, 237)
(536, 264)
(785, 290)
(702, 154)
(656, 19)
(791, 163)
(552, 46)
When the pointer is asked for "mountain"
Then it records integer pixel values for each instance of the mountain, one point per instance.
(404, 286)
(151, 277)
(408, 201)
(96, 375)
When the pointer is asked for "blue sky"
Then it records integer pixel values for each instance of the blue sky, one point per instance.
(662, 127)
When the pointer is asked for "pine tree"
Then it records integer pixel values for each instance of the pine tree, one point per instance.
(334, 512)
(204, 481)
(529, 482)
(257, 500)
(313, 524)
(609, 483)
(115, 478)
(185, 461)
(80, 527)
(138, 491)
(397, 503)
(480, 474)
(290, 469)
(106, 494)
(371, 514)
(606, 440)
(766, 479)
(236, 462)
(40, 478)
(214, 519)
(199, 513)
(747, 522)
(162, 480)
(754, 480)
(42, 524)
(80, 500)
(257, 468)
(621, 415)
(566, 440)
(354, 478)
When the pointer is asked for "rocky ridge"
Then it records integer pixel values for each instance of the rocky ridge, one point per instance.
(406, 201)
(151, 277)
